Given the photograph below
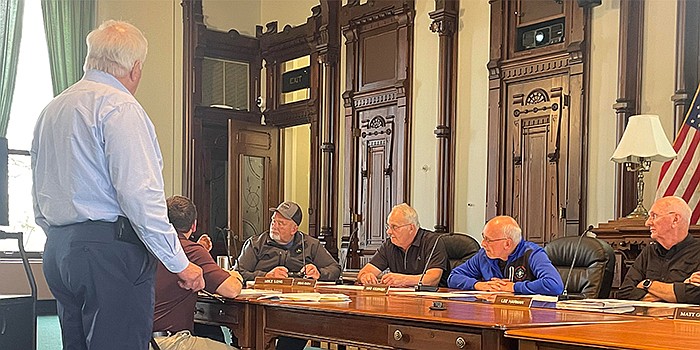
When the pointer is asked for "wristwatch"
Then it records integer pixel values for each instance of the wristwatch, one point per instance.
(646, 284)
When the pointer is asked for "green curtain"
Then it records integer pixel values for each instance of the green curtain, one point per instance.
(67, 23)
(10, 35)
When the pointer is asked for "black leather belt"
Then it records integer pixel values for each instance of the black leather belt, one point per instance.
(162, 334)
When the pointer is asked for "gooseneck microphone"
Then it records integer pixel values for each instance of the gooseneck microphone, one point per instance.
(420, 287)
(565, 295)
(343, 255)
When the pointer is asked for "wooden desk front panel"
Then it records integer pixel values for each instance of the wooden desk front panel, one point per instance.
(639, 335)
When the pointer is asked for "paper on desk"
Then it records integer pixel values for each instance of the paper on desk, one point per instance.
(307, 297)
(540, 297)
(643, 303)
(344, 286)
(249, 292)
(428, 294)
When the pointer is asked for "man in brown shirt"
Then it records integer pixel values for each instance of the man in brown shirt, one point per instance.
(173, 321)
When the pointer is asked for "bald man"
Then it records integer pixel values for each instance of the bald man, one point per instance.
(507, 263)
(661, 268)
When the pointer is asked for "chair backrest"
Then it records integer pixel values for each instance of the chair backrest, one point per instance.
(460, 247)
(594, 268)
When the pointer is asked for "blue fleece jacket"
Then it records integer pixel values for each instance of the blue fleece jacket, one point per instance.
(480, 267)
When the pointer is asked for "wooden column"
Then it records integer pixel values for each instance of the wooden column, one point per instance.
(328, 46)
(444, 24)
(687, 61)
(628, 94)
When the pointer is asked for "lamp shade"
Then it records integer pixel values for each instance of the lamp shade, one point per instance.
(643, 138)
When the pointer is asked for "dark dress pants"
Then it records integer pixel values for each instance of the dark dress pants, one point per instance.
(104, 287)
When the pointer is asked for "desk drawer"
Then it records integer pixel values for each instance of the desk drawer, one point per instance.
(217, 313)
(415, 338)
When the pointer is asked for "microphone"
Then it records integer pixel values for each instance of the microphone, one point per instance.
(577, 296)
(343, 255)
(227, 239)
(420, 287)
(302, 273)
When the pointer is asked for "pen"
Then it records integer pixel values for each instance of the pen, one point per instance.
(214, 296)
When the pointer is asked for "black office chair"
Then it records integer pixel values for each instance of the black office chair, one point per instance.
(593, 271)
(460, 247)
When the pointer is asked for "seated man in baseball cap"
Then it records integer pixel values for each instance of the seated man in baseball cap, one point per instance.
(285, 250)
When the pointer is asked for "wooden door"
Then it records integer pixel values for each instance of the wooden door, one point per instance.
(254, 179)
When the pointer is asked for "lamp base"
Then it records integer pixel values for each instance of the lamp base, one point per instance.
(639, 212)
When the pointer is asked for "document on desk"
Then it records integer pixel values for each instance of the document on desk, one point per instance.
(644, 303)
(613, 305)
(249, 292)
(342, 286)
(308, 297)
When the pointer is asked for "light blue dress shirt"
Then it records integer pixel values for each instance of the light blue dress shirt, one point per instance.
(95, 156)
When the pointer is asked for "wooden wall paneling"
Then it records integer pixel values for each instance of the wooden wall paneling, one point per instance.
(444, 23)
(377, 105)
(687, 59)
(629, 94)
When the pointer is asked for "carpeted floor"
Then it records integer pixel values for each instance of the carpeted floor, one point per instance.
(48, 333)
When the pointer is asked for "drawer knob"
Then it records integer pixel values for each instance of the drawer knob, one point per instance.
(222, 313)
(398, 335)
(460, 342)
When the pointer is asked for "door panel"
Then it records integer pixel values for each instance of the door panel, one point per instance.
(253, 178)
(536, 139)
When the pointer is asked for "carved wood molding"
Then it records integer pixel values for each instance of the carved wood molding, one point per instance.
(535, 68)
(373, 100)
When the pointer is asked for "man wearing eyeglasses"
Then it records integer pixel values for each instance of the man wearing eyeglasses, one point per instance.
(659, 272)
(507, 263)
(406, 254)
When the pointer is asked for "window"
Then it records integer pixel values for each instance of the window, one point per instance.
(32, 92)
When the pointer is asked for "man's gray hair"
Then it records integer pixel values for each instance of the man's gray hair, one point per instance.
(407, 213)
(115, 47)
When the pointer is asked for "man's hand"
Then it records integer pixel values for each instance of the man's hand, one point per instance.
(278, 272)
(311, 271)
(487, 286)
(368, 278)
(504, 285)
(205, 242)
(694, 279)
(651, 297)
(396, 279)
(191, 278)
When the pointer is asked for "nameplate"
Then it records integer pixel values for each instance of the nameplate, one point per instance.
(269, 281)
(687, 313)
(376, 288)
(304, 283)
(513, 301)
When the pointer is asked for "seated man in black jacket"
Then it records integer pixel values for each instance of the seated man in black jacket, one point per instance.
(661, 268)
(284, 250)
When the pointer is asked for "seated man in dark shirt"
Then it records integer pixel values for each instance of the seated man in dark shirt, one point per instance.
(173, 321)
(660, 270)
(284, 250)
(507, 263)
(406, 253)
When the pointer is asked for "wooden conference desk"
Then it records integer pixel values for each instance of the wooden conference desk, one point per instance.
(641, 334)
(385, 322)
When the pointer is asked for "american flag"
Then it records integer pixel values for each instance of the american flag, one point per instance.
(681, 176)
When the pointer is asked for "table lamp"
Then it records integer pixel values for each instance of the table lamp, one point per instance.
(642, 142)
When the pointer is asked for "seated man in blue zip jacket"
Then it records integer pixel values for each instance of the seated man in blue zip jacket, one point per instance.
(507, 263)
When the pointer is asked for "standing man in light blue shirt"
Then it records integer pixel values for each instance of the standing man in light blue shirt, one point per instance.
(98, 194)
